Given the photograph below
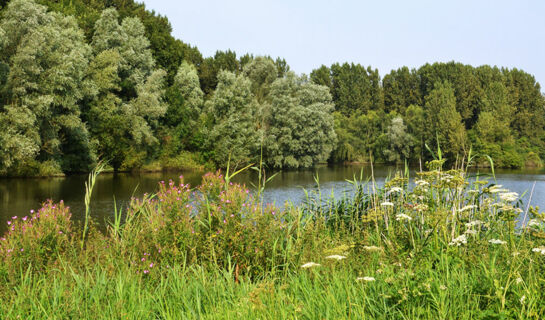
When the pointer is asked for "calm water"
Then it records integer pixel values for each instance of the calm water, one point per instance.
(19, 196)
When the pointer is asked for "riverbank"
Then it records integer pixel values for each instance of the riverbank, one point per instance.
(448, 248)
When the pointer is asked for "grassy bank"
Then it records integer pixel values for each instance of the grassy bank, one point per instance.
(445, 246)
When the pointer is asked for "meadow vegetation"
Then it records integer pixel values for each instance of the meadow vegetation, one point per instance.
(434, 244)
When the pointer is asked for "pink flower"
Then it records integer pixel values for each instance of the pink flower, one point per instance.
(31, 211)
(151, 265)
(146, 271)
(10, 250)
(14, 217)
(22, 250)
(143, 259)
(60, 232)
(9, 223)
(24, 218)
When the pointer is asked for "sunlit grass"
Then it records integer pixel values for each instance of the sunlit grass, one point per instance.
(442, 247)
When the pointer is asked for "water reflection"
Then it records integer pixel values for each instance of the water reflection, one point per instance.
(19, 196)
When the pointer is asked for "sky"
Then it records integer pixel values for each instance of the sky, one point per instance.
(382, 34)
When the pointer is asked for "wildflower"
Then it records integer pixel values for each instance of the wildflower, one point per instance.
(22, 250)
(151, 265)
(509, 196)
(443, 287)
(146, 271)
(468, 207)
(470, 231)
(396, 189)
(473, 223)
(534, 223)
(496, 189)
(310, 265)
(24, 218)
(387, 204)
(539, 250)
(335, 257)
(402, 216)
(372, 248)
(9, 223)
(366, 279)
(143, 259)
(420, 207)
(31, 211)
(458, 241)
(14, 218)
(422, 183)
(497, 241)
(519, 280)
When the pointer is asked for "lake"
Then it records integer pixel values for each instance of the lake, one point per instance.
(19, 196)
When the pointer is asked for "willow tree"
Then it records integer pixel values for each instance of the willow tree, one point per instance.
(182, 119)
(48, 58)
(233, 108)
(300, 124)
(124, 115)
(445, 123)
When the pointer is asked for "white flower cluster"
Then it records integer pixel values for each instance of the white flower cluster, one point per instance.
(474, 223)
(367, 279)
(468, 207)
(540, 250)
(310, 265)
(395, 190)
(371, 248)
(497, 188)
(335, 257)
(461, 240)
(496, 241)
(509, 196)
(403, 217)
(387, 204)
(422, 183)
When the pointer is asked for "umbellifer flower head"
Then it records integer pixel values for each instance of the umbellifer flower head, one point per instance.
(367, 279)
(335, 257)
(458, 241)
(310, 265)
(497, 241)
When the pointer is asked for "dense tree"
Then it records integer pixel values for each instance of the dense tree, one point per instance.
(399, 140)
(446, 127)
(300, 126)
(262, 72)
(185, 102)
(46, 83)
(123, 118)
(234, 136)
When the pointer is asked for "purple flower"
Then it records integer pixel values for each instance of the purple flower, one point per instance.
(151, 265)
(22, 250)
(14, 217)
(9, 223)
(24, 218)
(31, 211)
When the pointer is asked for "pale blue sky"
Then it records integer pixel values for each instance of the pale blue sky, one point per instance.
(383, 34)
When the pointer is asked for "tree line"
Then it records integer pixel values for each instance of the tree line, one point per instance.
(83, 80)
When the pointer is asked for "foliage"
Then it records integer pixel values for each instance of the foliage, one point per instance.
(299, 123)
(445, 244)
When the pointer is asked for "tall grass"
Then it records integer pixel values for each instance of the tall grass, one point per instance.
(440, 245)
